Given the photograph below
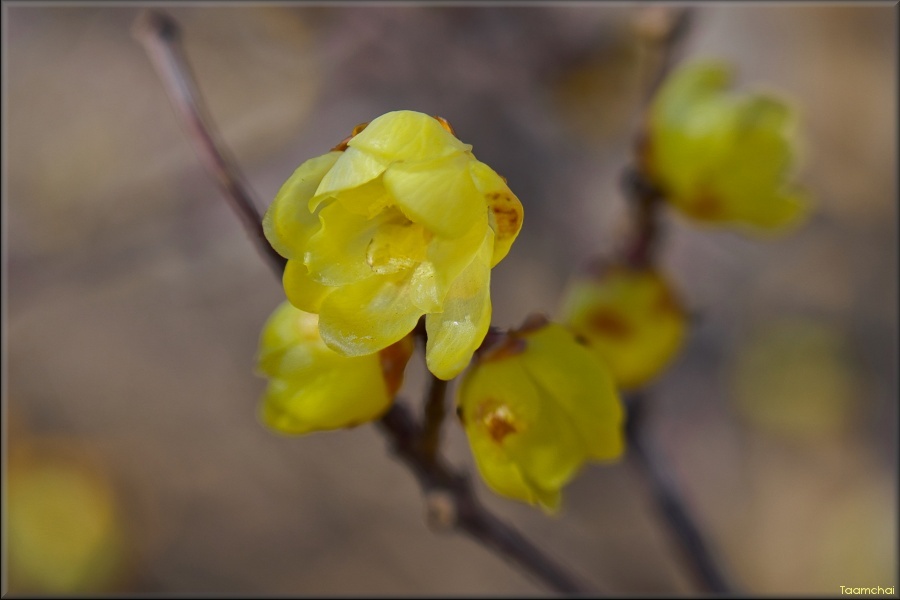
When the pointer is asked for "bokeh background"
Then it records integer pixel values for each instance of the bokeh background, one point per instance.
(136, 460)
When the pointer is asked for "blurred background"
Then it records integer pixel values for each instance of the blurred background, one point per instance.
(136, 460)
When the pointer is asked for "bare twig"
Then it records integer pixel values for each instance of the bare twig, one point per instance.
(159, 34)
(665, 28)
(435, 409)
(665, 491)
(161, 38)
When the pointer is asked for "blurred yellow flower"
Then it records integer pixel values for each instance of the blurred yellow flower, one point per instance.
(397, 222)
(312, 387)
(535, 409)
(631, 318)
(719, 156)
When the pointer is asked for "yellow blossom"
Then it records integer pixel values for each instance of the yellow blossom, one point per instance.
(312, 387)
(397, 222)
(718, 156)
(535, 408)
(631, 318)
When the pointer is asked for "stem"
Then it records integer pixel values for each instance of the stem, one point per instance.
(673, 508)
(159, 35)
(469, 516)
(435, 410)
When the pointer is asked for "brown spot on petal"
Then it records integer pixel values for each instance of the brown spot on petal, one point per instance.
(498, 420)
(507, 213)
(608, 323)
(707, 207)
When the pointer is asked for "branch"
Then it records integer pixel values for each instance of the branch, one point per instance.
(449, 496)
(161, 38)
(671, 505)
(664, 28)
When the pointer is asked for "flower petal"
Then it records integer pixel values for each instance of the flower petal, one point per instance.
(353, 168)
(504, 209)
(364, 317)
(338, 253)
(439, 193)
(444, 261)
(573, 377)
(455, 333)
(405, 135)
(330, 398)
(302, 290)
(288, 222)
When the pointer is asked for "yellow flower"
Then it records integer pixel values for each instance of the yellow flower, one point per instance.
(535, 409)
(631, 318)
(398, 222)
(312, 387)
(721, 157)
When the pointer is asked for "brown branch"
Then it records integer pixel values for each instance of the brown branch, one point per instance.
(665, 29)
(435, 410)
(448, 493)
(161, 38)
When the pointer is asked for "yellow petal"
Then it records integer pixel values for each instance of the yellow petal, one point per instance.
(455, 333)
(330, 398)
(288, 223)
(367, 200)
(364, 317)
(302, 290)
(407, 135)
(581, 384)
(504, 209)
(444, 261)
(338, 254)
(439, 193)
(352, 168)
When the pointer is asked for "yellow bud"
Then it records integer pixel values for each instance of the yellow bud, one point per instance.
(631, 318)
(400, 220)
(718, 156)
(535, 408)
(312, 387)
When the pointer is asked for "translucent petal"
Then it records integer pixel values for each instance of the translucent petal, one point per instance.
(285, 328)
(353, 168)
(369, 315)
(438, 193)
(502, 400)
(444, 261)
(338, 253)
(330, 398)
(581, 384)
(288, 223)
(455, 333)
(302, 290)
(367, 200)
(504, 208)
(407, 135)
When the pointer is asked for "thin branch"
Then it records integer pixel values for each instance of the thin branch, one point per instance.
(161, 37)
(442, 486)
(673, 508)
(665, 28)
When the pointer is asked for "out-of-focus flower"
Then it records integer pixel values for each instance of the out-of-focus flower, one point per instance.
(312, 387)
(536, 407)
(719, 156)
(397, 222)
(630, 317)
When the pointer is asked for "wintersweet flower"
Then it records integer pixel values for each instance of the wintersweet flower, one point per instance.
(535, 408)
(312, 387)
(399, 221)
(718, 156)
(630, 317)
